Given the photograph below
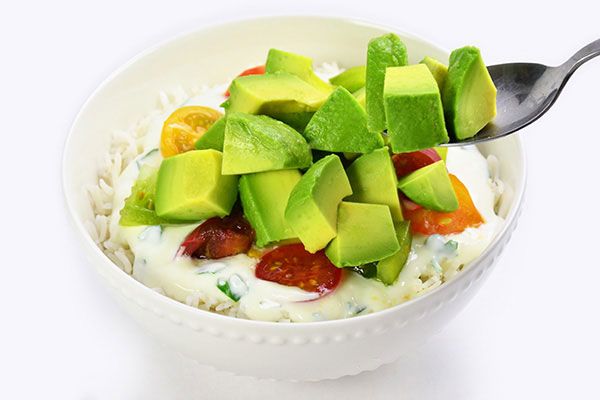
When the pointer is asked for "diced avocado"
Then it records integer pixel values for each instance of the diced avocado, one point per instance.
(413, 108)
(352, 79)
(139, 206)
(213, 137)
(373, 180)
(442, 152)
(430, 187)
(437, 69)
(469, 94)
(295, 64)
(383, 52)
(312, 207)
(365, 233)
(190, 187)
(264, 197)
(389, 268)
(255, 143)
(273, 94)
(361, 96)
(340, 125)
(298, 120)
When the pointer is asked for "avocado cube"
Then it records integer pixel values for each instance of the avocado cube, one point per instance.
(361, 96)
(437, 69)
(255, 143)
(273, 94)
(264, 197)
(383, 52)
(373, 180)
(413, 109)
(190, 187)
(295, 64)
(365, 233)
(213, 137)
(352, 79)
(389, 268)
(298, 120)
(340, 125)
(469, 94)
(311, 210)
(430, 187)
(442, 152)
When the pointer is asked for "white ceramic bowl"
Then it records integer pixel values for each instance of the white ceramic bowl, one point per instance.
(302, 351)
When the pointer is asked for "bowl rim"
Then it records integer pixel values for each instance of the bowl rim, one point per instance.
(278, 326)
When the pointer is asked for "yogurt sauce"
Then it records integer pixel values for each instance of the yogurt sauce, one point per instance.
(432, 260)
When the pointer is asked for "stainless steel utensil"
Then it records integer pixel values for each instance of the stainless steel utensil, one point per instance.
(525, 92)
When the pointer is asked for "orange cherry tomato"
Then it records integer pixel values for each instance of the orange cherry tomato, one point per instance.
(184, 127)
(250, 71)
(429, 222)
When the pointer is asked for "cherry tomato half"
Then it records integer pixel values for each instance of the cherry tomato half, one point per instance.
(406, 163)
(219, 237)
(250, 71)
(292, 265)
(184, 127)
(429, 222)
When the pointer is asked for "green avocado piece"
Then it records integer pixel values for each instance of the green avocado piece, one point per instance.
(139, 206)
(469, 94)
(373, 180)
(442, 152)
(213, 137)
(255, 143)
(273, 94)
(298, 120)
(365, 233)
(413, 108)
(352, 79)
(437, 69)
(389, 268)
(340, 125)
(295, 64)
(361, 96)
(430, 187)
(383, 52)
(311, 210)
(264, 197)
(191, 187)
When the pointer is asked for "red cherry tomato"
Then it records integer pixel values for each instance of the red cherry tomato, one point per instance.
(429, 222)
(250, 71)
(292, 265)
(406, 163)
(219, 237)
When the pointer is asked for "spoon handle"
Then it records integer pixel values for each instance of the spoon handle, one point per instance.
(585, 54)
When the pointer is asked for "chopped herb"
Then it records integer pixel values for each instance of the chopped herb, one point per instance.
(451, 245)
(360, 309)
(234, 287)
(436, 265)
(367, 270)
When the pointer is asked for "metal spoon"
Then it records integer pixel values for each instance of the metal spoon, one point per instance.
(525, 92)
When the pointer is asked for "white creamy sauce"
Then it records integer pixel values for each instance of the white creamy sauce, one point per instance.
(432, 260)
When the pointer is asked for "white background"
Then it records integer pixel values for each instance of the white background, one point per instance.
(532, 332)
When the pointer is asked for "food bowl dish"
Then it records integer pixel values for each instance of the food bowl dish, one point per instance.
(336, 348)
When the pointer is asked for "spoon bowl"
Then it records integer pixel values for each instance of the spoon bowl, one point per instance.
(525, 92)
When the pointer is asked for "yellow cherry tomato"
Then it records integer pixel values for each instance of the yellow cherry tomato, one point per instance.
(184, 127)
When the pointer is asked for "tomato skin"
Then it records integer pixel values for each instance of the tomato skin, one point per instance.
(406, 163)
(429, 222)
(218, 238)
(183, 127)
(293, 265)
(259, 70)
